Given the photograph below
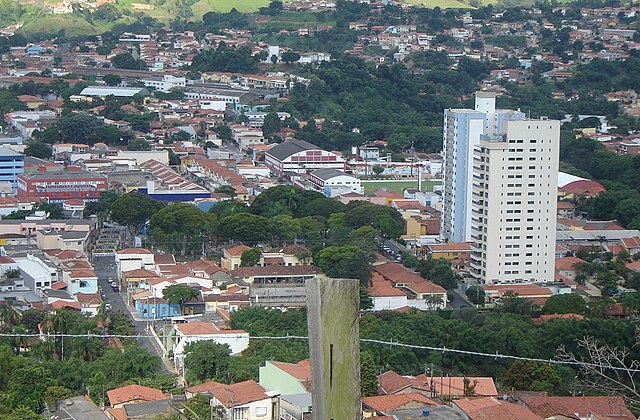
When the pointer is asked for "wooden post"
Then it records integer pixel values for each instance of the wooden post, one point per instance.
(334, 346)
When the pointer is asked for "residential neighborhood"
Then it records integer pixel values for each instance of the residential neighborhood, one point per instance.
(301, 209)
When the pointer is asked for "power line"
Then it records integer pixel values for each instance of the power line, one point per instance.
(494, 356)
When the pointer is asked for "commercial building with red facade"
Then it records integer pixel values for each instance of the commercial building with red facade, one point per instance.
(60, 186)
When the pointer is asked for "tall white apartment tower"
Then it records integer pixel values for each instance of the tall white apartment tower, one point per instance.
(503, 193)
(462, 131)
(514, 204)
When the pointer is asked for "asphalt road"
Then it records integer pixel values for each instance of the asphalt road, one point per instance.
(105, 268)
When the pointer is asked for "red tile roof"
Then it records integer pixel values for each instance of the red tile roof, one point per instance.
(237, 250)
(197, 328)
(133, 393)
(583, 187)
(88, 298)
(391, 382)
(491, 408)
(381, 287)
(383, 403)
(232, 395)
(64, 304)
(298, 371)
(567, 263)
(585, 406)
(454, 385)
(134, 251)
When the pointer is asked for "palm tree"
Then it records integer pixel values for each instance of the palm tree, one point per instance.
(9, 315)
(87, 349)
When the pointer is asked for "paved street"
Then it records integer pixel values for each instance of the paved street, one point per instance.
(105, 269)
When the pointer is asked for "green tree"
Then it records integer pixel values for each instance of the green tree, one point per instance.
(179, 224)
(226, 189)
(377, 169)
(205, 361)
(245, 227)
(250, 257)
(346, 261)
(271, 125)
(515, 304)
(28, 387)
(139, 145)
(383, 218)
(227, 208)
(365, 238)
(179, 293)
(56, 392)
(438, 271)
(133, 210)
(368, 375)
(285, 227)
(531, 376)
(199, 408)
(476, 295)
(21, 413)
(112, 79)
(366, 302)
(290, 57)
(565, 304)
(38, 149)
(126, 61)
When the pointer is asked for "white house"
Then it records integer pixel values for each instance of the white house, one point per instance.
(332, 182)
(242, 401)
(237, 340)
(133, 259)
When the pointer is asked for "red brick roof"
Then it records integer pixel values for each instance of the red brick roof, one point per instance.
(400, 275)
(237, 250)
(381, 287)
(299, 371)
(133, 393)
(65, 304)
(491, 408)
(585, 406)
(391, 382)
(383, 403)
(139, 273)
(583, 187)
(197, 328)
(232, 395)
(88, 297)
(454, 385)
(567, 263)
(134, 251)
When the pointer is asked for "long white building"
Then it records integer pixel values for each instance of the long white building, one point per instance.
(500, 191)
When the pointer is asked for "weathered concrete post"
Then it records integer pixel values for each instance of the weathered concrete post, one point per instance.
(334, 346)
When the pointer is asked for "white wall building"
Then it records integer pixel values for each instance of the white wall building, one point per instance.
(133, 259)
(167, 83)
(237, 340)
(514, 203)
(462, 131)
(332, 182)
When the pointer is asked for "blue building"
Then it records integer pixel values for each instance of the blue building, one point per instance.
(11, 165)
(156, 308)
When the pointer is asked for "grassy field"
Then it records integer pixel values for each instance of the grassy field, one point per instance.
(370, 187)
(52, 24)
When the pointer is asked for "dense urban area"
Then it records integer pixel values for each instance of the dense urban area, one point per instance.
(180, 178)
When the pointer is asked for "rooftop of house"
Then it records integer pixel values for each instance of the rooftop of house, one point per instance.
(493, 408)
(134, 392)
(608, 406)
(133, 251)
(237, 250)
(233, 395)
(384, 403)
